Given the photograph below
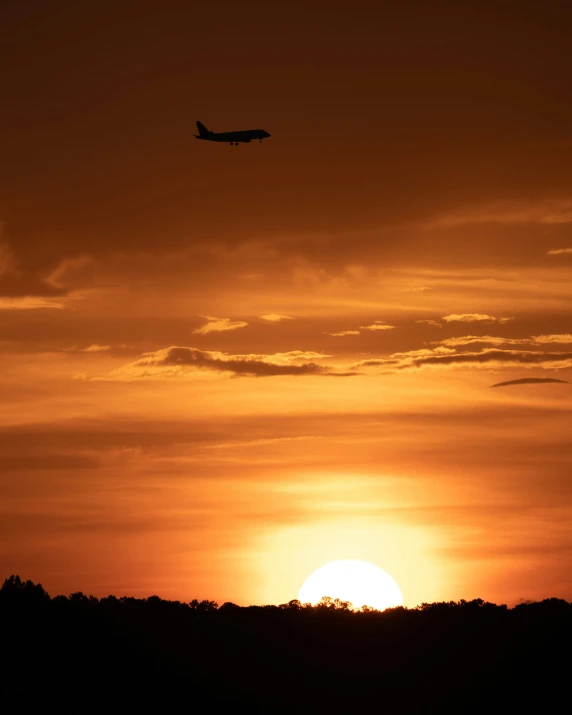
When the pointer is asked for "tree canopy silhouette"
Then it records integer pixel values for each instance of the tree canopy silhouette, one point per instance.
(78, 651)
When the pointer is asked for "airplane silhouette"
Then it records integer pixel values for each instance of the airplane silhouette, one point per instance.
(230, 137)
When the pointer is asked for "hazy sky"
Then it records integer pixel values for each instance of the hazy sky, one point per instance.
(223, 367)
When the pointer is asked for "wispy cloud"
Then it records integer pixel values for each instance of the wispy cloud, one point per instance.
(558, 251)
(73, 273)
(294, 355)
(546, 211)
(531, 381)
(488, 358)
(399, 361)
(501, 358)
(95, 348)
(219, 325)
(178, 361)
(275, 317)
(28, 302)
(343, 333)
(22, 289)
(485, 339)
(430, 322)
(498, 340)
(377, 325)
(7, 258)
(542, 339)
(473, 318)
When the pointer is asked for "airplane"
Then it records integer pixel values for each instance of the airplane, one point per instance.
(230, 137)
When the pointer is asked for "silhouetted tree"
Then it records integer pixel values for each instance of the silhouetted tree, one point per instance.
(368, 609)
(78, 598)
(327, 603)
(15, 590)
(203, 606)
(229, 606)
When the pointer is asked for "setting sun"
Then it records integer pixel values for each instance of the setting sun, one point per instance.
(359, 582)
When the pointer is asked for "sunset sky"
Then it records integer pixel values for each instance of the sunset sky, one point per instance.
(223, 367)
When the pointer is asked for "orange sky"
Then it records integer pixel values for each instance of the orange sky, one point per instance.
(222, 366)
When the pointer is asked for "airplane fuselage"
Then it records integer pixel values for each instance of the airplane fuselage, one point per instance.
(231, 137)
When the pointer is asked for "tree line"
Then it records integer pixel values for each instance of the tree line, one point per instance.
(79, 652)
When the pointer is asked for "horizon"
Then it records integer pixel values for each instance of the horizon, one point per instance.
(15, 585)
(226, 367)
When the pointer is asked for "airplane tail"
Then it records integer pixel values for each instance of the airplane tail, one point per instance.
(203, 131)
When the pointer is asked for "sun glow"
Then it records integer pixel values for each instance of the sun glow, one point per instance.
(359, 582)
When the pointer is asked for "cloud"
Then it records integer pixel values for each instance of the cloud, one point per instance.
(293, 355)
(73, 273)
(430, 322)
(399, 361)
(558, 251)
(8, 265)
(275, 317)
(541, 339)
(491, 357)
(219, 325)
(343, 333)
(23, 290)
(548, 211)
(184, 361)
(377, 325)
(422, 352)
(473, 318)
(498, 357)
(530, 381)
(494, 340)
(28, 302)
(95, 348)
(488, 339)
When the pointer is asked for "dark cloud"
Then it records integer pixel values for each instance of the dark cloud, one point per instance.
(530, 381)
(507, 357)
(15, 283)
(23, 288)
(181, 361)
(498, 340)
(97, 436)
(490, 357)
